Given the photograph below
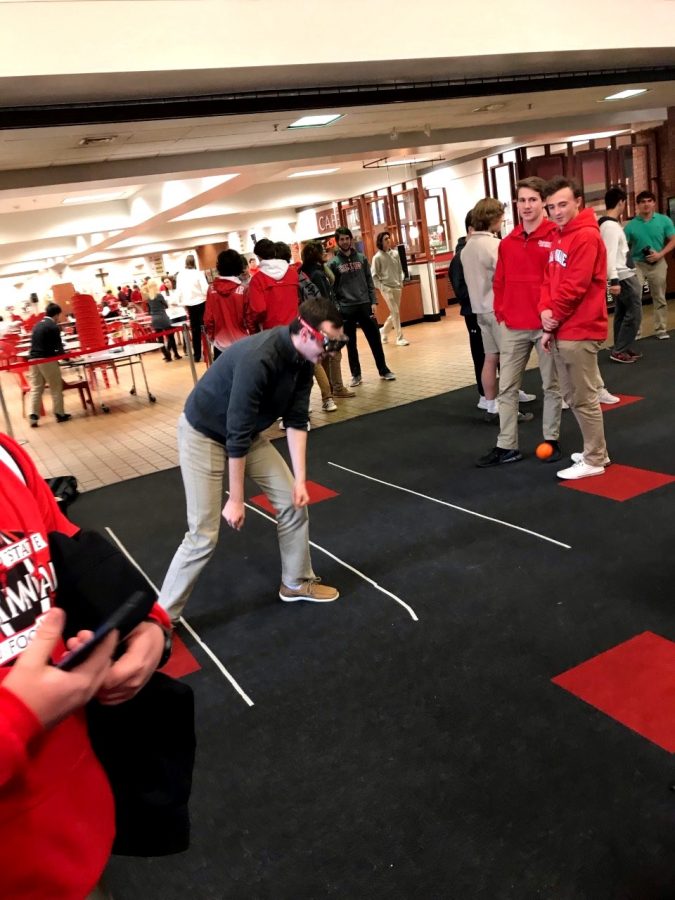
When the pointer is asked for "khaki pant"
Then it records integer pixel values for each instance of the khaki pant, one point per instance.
(577, 365)
(516, 347)
(203, 463)
(655, 276)
(323, 381)
(392, 297)
(333, 366)
(40, 375)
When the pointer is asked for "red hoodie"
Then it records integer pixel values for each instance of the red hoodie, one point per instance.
(224, 316)
(575, 285)
(57, 818)
(273, 295)
(521, 265)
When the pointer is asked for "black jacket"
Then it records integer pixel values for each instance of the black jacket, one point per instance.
(45, 340)
(251, 384)
(456, 276)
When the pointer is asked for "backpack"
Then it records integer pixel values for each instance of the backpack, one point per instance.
(64, 489)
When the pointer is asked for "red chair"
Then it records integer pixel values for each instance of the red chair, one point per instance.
(82, 386)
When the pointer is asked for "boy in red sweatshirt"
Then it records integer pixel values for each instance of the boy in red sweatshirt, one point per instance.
(226, 299)
(521, 263)
(573, 310)
(273, 294)
(57, 818)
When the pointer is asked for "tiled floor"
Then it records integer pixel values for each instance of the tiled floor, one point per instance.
(137, 437)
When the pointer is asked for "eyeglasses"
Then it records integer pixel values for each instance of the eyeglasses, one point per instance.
(330, 345)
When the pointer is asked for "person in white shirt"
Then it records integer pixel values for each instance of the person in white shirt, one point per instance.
(388, 279)
(624, 285)
(191, 288)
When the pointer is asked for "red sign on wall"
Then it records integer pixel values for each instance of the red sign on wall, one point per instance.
(327, 220)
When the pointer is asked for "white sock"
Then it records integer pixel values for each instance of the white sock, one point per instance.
(492, 406)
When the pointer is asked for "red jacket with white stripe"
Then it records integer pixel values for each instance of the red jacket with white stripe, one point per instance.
(575, 284)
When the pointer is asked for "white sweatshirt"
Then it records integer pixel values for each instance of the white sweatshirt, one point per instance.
(479, 261)
(617, 251)
(191, 287)
(386, 270)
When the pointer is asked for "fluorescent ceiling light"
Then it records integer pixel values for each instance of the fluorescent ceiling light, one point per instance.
(597, 136)
(630, 92)
(315, 121)
(93, 198)
(314, 172)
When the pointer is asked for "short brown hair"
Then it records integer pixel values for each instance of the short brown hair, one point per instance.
(558, 183)
(485, 213)
(533, 183)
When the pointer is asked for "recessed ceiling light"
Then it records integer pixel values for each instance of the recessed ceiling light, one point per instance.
(622, 95)
(94, 198)
(97, 139)
(315, 121)
(314, 172)
(489, 107)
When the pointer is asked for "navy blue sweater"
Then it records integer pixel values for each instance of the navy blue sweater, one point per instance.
(251, 384)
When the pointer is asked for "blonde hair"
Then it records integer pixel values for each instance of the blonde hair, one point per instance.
(152, 288)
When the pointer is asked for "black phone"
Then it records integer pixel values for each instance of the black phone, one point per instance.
(116, 620)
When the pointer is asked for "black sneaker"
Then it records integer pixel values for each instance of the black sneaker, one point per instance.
(497, 457)
(557, 452)
(63, 418)
(491, 418)
(33, 421)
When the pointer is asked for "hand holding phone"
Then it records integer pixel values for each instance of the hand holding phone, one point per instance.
(115, 621)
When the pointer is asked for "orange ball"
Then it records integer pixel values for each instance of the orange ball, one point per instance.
(544, 450)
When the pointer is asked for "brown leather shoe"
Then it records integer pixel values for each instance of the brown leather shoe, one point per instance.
(313, 591)
(343, 393)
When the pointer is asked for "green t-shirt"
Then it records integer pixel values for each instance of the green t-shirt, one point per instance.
(655, 234)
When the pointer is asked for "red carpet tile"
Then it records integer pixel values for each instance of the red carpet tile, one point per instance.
(621, 482)
(625, 400)
(181, 662)
(317, 493)
(633, 683)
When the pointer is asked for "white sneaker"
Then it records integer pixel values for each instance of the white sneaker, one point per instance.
(383, 336)
(565, 405)
(608, 399)
(329, 405)
(482, 403)
(526, 398)
(401, 342)
(579, 457)
(580, 470)
(664, 336)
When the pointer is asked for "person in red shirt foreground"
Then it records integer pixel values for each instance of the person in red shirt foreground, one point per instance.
(57, 817)
(226, 298)
(573, 309)
(521, 262)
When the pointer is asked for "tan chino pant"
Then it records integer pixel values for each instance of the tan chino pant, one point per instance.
(655, 276)
(40, 375)
(516, 346)
(577, 365)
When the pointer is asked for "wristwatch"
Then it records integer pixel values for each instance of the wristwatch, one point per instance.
(168, 646)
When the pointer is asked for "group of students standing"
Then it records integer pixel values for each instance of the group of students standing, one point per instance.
(237, 306)
(545, 286)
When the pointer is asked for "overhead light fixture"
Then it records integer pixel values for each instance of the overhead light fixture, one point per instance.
(315, 121)
(95, 198)
(310, 172)
(489, 107)
(623, 95)
(96, 139)
(596, 136)
(386, 163)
